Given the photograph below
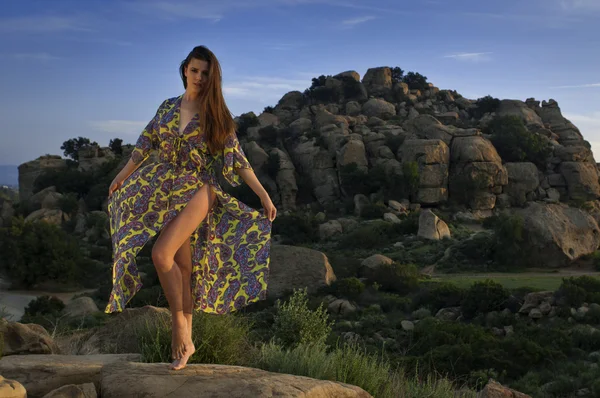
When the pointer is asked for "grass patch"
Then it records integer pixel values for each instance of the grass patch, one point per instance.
(510, 281)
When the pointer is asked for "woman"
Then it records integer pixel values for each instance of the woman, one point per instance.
(213, 251)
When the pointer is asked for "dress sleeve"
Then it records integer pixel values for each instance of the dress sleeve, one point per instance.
(148, 139)
(234, 157)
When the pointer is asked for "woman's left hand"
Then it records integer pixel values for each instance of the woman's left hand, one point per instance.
(270, 210)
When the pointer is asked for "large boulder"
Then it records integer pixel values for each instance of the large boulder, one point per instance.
(42, 374)
(493, 389)
(30, 338)
(317, 164)
(294, 267)
(51, 216)
(353, 152)
(551, 115)
(432, 227)
(93, 157)
(80, 307)
(87, 390)
(523, 179)
(215, 381)
(29, 171)
(378, 81)
(521, 110)
(286, 179)
(581, 179)
(557, 234)
(378, 108)
(11, 389)
(428, 127)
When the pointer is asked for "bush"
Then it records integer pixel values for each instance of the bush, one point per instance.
(398, 278)
(356, 181)
(373, 210)
(439, 295)
(515, 144)
(508, 240)
(483, 297)
(351, 88)
(69, 204)
(487, 104)
(320, 93)
(415, 81)
(116, 145)
(44, 305)
(397, 74)
(575, 291)
(72, 146)
(246, 121)
(268, 109)
(379, 234)
(296, 228)
(349, 287)
(35, 252)
(296, 324)
(411, 178)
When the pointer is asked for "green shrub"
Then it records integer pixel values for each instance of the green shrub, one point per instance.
(399, 278)
(483, 297)
(509, 240)
(397, 74)
(245, 121)
(351, 88)
(44, 305)
(320, 93)
(356, 181)
(473, 253)
(72, 146)
(415, 81)
(296, 324)
(349, 287)
(411, 178)
(35, 252)
(116, 145)
(68, 204)
(379, 233)
(515, 144)
(373, 210)
(487, 104)
(465, 187)
(218, 339)
(575, 291)
(439, 295)
(296, 228)
(268, 109)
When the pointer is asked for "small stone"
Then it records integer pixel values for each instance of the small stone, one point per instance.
(407, 325)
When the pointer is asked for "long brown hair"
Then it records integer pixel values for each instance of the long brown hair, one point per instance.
(215, 118)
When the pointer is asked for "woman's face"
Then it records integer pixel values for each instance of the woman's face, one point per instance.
(196, 74)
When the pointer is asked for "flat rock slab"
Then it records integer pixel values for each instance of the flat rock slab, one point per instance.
(153, 380)
(41, 374)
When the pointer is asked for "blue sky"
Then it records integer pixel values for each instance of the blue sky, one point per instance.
(100, 68)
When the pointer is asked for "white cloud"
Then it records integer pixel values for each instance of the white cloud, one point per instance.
(271, 88)
(118, 126)
(579, 86)
(357, 21)
(470, 57)
(43, 57)
(582, 5)
(41, 24)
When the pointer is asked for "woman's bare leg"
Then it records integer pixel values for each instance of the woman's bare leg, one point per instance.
(183, 259)
(163, 256)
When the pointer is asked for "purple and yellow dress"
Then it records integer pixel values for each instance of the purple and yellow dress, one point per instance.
(230, 248)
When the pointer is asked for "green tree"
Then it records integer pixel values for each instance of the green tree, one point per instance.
(116, 145)
(415, 81)
(72, 146)
(397, 74)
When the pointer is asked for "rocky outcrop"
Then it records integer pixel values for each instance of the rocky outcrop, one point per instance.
(11, 389)
(523, 181)
(557, 234)
(55, 216)
(433, 159)
(87, 390)
(432, 227)
(493, 389)
(29, 171)
(42, 374)
(518, 108)
(378, 81)
(28, 338)
(93, 157)
(294, 267)
(154, 380)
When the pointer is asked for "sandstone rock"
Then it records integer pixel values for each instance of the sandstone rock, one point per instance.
(214, 381)
(11, 389)
(401, 208)
(535, 299)
(360, 202)
(353, 152)
(378, 108)
(353, 108)
(424, 151)
(296, 268)
(473, 149)
(267, 119)
(391, 217)
(348, 74)
(581, 180)
(448, 314)
(93, 157)
(428, 127)
(493, 389)
(348, 224)
(521, 110)
(29, 171)
(318, 166)
(378, 81)
(80, 307)
(341, 307)
(375, 261)
(286, 179)
(48, 195)
(329, 229)
(431, 227)
(407, 325)
(87, 390)
(557, 234)
(41, 374)
(50, 216)
(293, 100)
(28, 338)
(535, 313)
(300, 126)
(522, 180)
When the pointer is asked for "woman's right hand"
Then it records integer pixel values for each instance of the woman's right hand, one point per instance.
(114, 185)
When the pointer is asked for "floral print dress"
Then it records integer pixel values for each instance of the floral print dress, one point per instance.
(230, 248)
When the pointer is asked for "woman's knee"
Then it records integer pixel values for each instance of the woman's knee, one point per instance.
(161, 258)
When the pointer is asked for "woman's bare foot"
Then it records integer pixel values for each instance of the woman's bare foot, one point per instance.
(178, 340)
(182, 362)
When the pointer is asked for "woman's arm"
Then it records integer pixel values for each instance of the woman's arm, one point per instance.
(249, 178)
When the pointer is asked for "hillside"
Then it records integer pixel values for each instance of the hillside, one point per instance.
(389, 190)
